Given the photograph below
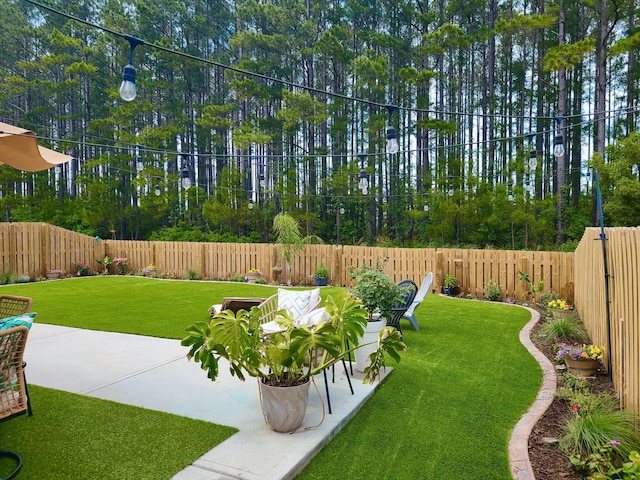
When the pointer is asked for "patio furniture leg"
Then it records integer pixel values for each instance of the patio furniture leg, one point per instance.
(326, 388)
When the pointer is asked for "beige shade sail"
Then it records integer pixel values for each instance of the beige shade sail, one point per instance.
(19, 148)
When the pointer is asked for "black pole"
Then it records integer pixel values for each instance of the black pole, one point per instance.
(603, 239)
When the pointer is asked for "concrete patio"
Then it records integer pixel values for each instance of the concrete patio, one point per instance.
(154, 373)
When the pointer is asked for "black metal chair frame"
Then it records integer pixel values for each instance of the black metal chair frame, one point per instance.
(410, 291)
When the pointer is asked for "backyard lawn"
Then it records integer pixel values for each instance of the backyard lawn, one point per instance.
(447, 410)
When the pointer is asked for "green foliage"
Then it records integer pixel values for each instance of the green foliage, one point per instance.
(375, 289)
(494, 291)
(450, 281)
(283, 357)
(7, 278)
(321, 271)
(533, 289)
(569, 330)
(597, 420)
(193, 274)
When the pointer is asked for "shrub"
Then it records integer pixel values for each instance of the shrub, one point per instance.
(494, 291)
(595, 422)
(7, 278)
(568, 330)
(193, 274)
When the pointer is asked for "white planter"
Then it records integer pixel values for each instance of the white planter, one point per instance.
(371, 335)
(284, 408)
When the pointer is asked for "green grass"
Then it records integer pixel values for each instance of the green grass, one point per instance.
(130, 304)
(73, 436)
(447, 411)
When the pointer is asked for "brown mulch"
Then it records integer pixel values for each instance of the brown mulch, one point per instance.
(547, 461)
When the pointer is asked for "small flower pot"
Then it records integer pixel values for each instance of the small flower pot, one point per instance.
(560, 313)
(321, 281)
(252, 277)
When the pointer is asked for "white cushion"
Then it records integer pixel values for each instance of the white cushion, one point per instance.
(294, 301)
(313, 317)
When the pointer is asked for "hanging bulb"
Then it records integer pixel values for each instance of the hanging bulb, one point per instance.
(558, 146)
(364, 180)
(128, 90)
(392, 141)
(139, 164)
(450, 192)
(426, 207)
(250, 205)
(157, 190)
(365, 191)
(186, 181)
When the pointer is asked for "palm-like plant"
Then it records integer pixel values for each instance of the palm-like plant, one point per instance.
(285, 357)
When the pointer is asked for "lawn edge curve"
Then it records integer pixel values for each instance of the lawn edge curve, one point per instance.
(519, 443)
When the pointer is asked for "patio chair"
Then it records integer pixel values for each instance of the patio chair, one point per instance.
(410, 289)
(425, 288)
(11, 305)
(14, 306)
(14, 396)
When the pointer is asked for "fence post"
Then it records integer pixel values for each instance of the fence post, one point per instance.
(522, 265)
(440, 271)
(45, 251)
(336, 268)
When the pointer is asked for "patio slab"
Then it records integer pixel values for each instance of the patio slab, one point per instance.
(154, 373)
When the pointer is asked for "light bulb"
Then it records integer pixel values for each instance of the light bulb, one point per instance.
(157, 190)
(365, 191)
(426, 207)
(128, 86)
(250, 205)
(450, 192)
(533, 163)
(392, 141)
(364, 180)
(558, 146)
(139, 164)
(341, 210)
(186, 182)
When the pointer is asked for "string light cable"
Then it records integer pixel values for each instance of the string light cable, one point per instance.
(138, 41)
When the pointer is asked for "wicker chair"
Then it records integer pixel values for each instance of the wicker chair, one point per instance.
(410, 289)
(14, 397)
(11, 305)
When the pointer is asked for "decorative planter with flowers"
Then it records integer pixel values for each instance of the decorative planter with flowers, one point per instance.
(583, 360)
(54, 274)
(253, 275)
(560, 308)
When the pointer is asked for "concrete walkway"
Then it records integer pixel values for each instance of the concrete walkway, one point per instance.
(154, 373)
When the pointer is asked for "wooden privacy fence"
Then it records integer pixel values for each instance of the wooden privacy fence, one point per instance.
(34, 248)
(623, 324)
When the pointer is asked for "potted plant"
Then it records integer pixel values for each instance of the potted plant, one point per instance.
(450, 285)
(281, 360)
(253, 274)
(322, 275)
(378, 295)
(581, 359)
(560, 308)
